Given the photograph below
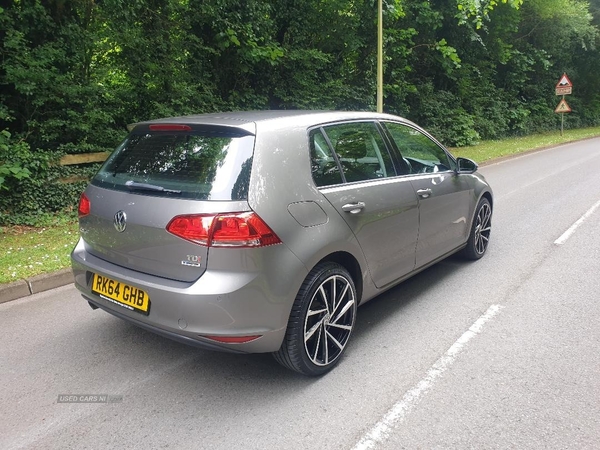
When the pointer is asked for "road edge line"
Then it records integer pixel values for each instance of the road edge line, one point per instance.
(397, 413)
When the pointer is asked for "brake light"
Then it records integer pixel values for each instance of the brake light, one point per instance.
(84, 205)
(224, 230)
(169, 127)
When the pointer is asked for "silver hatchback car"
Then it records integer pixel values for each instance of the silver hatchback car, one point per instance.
(263, 231)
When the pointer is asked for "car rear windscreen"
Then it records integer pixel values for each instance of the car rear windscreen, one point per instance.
(211, 164)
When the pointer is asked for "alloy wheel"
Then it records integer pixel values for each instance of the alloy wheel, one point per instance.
(329, 320)
(483, 228)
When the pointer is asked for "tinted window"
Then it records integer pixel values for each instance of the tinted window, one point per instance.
(203, 166)
(421, 154)
(360, 150)
(324, 167)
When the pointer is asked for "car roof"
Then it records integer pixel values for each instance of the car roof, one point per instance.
(247, 119)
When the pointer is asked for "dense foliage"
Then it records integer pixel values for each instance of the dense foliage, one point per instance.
(74, 73)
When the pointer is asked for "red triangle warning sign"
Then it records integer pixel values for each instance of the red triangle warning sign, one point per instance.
(564, 81)
(563, 107)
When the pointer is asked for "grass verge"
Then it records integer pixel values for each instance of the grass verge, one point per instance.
(26, 251)
(487, 150)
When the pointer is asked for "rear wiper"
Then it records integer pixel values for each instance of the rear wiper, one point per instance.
(149, 187)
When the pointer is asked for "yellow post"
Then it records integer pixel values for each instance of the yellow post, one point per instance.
(380, 57)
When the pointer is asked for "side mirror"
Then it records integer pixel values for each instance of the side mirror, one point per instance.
(466, 165)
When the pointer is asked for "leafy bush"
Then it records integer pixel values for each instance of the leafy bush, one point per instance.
(36, 200)
(13, 157)
(32, 186)
(442, 114)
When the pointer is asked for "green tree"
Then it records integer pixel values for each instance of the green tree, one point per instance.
(74, 73)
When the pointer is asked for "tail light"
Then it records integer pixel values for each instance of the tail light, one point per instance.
(224, 230)
(84, 205)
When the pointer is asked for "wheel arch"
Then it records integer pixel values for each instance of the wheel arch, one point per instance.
(488, 196)
(351, 264)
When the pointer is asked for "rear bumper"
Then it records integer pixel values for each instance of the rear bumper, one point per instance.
(253, 301)
(205, 344)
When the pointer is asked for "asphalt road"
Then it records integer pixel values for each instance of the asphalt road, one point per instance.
(501, 353)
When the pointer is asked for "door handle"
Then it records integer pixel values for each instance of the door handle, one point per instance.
(353, 208)
(424, 193)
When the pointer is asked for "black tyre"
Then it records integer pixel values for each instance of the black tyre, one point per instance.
(479, 237)
(321, 321)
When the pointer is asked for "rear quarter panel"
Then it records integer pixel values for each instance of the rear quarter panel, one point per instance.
(281, 177)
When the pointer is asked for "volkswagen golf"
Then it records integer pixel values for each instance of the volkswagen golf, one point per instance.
(264, 231)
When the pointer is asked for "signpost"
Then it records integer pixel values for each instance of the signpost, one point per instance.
(563, 87)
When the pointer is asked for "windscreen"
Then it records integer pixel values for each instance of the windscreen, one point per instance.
(211, 164)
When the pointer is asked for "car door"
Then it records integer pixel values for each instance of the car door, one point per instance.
(353, 167)
(444, 196)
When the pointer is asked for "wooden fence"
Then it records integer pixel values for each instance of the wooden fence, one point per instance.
(82, 158)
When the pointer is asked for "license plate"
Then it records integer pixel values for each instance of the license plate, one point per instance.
(132, 298)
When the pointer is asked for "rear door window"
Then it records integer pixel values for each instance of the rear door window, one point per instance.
(207, 164)
(324, 166)
(360, 150)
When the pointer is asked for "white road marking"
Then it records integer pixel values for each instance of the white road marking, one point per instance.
(567, 234)
(397, 413)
